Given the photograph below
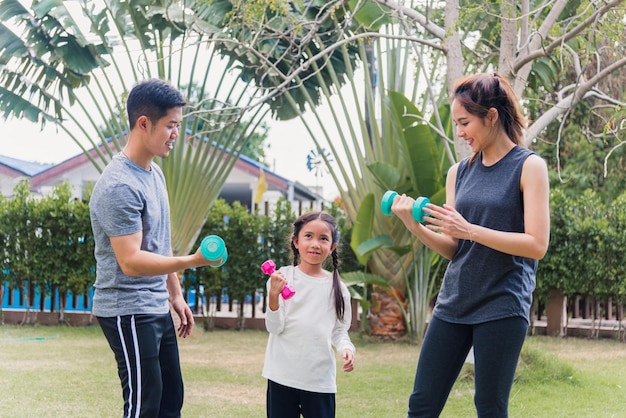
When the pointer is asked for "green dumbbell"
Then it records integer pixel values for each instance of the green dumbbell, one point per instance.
(213, 248)
(418, 205)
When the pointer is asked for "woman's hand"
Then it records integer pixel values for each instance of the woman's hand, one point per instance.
(446, 220)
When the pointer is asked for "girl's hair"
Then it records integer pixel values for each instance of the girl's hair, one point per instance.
(297, 227)
(480, 92)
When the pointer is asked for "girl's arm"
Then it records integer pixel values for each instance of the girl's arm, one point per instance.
(274, 317)
(275, 285)
(340, 338)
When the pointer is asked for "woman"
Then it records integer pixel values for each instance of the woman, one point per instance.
(494, 227)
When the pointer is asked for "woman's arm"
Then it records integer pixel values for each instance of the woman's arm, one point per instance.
(532, 243)
(443, 243)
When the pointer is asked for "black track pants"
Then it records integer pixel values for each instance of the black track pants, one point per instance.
(146, 352)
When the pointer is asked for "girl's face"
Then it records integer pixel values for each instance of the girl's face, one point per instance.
(476, 131)
(314, 242)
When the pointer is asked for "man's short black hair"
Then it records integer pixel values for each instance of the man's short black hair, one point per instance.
(152, 98)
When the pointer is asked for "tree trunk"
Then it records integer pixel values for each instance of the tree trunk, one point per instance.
(209, 311)
(385, 316)
(454, 64)
(241, 319)
(62, 306)
(556, 314)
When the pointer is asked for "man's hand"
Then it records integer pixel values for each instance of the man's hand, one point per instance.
(186, 316)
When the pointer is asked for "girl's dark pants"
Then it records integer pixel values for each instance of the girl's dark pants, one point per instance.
(286, 402)
(497, 345)
(146, 351)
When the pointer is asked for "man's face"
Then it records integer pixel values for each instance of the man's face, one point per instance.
(163, 133)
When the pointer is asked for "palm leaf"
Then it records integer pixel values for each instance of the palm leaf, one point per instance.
(57, 70)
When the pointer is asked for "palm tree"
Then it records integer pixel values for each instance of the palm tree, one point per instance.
(374, 144)
(382, 144)
(73, 63)
(426, 46)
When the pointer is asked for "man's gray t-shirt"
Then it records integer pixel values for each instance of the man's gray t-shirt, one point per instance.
(127, 199)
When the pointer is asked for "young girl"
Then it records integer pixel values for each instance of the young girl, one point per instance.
(299, 360)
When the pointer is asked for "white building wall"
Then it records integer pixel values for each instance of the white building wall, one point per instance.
(8, 183)
(79, 179)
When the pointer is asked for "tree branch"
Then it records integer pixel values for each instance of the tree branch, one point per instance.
(547, 50)
(521, 71)
(324, 53)
(414, 15)
(569, 101)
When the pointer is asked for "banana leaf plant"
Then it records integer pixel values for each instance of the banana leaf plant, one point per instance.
(381, 142)
(420, 283)
(424, 179)
(73, 63)
(363, 132)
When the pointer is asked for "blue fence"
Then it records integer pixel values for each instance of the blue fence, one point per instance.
(18, 299)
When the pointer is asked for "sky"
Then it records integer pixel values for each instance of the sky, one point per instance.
(289, 143)
(287, 155)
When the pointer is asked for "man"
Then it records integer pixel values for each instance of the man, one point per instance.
(136, 279)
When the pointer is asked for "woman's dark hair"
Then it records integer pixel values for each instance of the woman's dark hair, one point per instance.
(480, 92)
(297, 226)
(152, 98)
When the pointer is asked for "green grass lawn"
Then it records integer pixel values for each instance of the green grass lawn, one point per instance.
(70, 372)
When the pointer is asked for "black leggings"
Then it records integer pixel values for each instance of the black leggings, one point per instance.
(146, 351)
(497, 345)
(287, 402)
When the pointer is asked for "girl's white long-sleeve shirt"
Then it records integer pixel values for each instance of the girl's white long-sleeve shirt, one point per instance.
(303, 331)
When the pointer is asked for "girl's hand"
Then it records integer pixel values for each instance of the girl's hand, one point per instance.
(348, 356)
(277, 282)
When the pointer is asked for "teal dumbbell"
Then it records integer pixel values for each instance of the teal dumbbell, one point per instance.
(213, 248)
(418, 205)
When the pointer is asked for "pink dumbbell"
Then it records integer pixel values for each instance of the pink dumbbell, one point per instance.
(269, 267)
